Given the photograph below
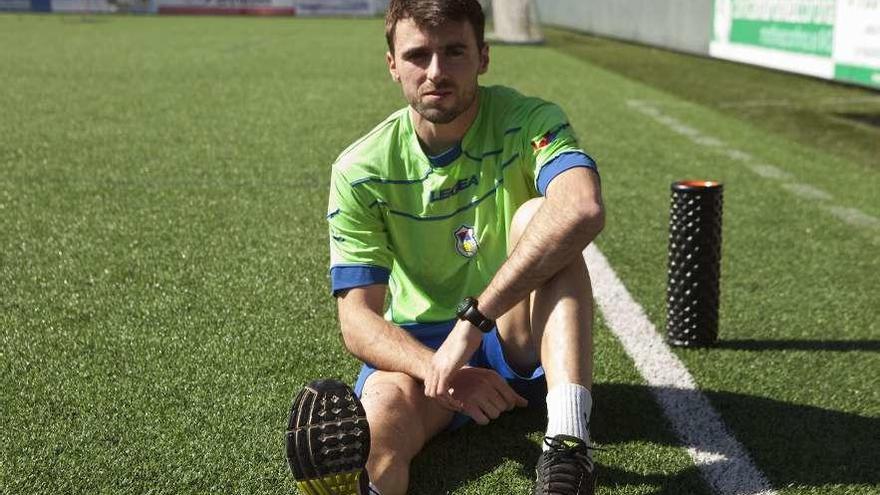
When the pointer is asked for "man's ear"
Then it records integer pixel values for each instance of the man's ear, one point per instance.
(484, 58)
(392, 66)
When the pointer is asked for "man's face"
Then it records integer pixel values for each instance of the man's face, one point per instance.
(437, 68)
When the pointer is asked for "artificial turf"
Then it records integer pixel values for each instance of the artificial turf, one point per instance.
(163, 256)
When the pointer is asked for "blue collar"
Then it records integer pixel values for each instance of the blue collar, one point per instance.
(445, 158)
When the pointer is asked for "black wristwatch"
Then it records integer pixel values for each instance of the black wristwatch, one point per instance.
(467, 310)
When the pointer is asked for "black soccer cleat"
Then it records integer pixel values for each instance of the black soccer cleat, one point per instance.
(328, 440)
(566, 468)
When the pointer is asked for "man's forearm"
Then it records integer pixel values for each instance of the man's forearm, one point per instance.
(559, 231)
(372, 339)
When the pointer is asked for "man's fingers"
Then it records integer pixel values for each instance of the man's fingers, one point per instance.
(442, 387)
(518, 400)
(490, 409)
(509, 394)
(450, 403)
(433, 388)
(443, 384)
(429, 386)
(450, 398)
(476, 414)
(436, 388)
(444, 399)
(498, 401)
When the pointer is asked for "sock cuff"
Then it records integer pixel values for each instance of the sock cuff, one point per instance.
(568, 411)
(578, 392)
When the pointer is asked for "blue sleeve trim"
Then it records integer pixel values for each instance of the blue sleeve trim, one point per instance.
(344, 277)
(561, 163)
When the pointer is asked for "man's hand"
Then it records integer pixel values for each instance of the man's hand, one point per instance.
(484, 395)
(457, 349)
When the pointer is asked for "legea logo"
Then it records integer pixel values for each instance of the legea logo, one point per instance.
(457, 188)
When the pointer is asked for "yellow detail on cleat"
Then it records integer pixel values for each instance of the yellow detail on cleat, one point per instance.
(333, 484)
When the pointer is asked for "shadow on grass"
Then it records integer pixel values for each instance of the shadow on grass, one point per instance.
(799, 345)
(454, 459)
(791, 444)
(872, 119)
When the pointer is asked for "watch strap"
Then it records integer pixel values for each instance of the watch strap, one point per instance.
(468, 311)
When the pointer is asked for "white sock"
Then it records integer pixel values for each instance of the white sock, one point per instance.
(568, 411)
(374, 490)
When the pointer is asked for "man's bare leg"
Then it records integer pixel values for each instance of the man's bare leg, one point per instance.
(563, 309)
(555, 324)
(521, 348)
(401, 421)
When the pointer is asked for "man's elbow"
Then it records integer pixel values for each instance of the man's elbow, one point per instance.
(591, 218)
(349, 331)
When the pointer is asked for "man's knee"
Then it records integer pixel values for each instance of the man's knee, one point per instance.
(398, 388)
(393, 404)
(521, 219)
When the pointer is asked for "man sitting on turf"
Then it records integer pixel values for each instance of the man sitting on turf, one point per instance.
(473, 205)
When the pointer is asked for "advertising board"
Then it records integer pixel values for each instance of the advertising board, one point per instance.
(832, 39)
(15, 5)
(336, 7)
(226, 7)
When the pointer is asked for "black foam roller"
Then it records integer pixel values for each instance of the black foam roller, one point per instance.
(693, 285)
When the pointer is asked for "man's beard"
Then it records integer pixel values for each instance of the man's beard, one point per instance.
(444, 116)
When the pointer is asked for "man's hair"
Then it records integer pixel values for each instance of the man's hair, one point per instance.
(434, 13)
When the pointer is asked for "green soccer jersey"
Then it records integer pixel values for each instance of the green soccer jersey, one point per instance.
(435, 228)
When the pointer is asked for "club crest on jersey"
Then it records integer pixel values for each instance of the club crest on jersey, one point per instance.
(466, 241)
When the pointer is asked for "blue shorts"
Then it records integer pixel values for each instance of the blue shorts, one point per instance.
(490, 354)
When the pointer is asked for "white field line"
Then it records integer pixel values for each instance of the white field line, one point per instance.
(855, 217)
(784, 103)
(769, 171)
(778, 102)
(850, 216)
(807, 191)
(722, 460)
